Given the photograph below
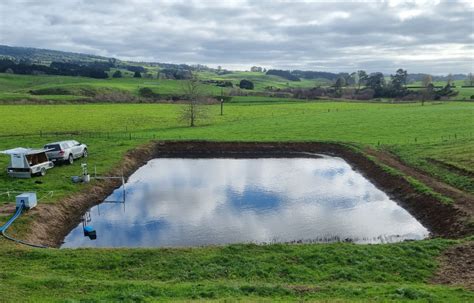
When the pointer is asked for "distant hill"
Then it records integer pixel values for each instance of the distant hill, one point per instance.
(29, 56)
(46, 56)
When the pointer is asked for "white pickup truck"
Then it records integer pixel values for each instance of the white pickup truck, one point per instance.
(66, 151)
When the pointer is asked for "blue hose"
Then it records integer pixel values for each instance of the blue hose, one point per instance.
(13, 218)
(4, 228)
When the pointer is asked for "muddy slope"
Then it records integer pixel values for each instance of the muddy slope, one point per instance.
(457, 266)
(53, 222)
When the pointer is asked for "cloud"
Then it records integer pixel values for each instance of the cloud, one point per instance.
(421, 36)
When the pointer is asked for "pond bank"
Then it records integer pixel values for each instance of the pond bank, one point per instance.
(53, 222)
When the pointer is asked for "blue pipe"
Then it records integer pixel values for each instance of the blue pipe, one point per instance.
(13, 218)
(4, 228)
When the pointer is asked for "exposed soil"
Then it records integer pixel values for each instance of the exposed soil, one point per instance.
(457, 266)
(450, 167)
(463, 201)
(53, 222)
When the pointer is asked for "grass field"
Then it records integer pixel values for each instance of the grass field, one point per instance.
(442, 132)
(275, 272)
(68, 89)
(333, 272)
(19, 87)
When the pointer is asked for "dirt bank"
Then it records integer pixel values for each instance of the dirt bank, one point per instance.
(457, 266)
(53, 222)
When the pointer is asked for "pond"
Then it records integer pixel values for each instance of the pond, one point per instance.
(195, 202)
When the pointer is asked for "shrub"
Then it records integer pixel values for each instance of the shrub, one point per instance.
(117, 74)
(246, 84)
(146, 92)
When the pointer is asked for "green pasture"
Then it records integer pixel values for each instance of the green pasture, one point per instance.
(329, 272)
(443, 132)
(316, 272)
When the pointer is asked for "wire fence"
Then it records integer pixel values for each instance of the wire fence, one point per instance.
(150, 135)
(87, 134)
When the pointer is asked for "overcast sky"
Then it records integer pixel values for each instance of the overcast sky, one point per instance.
(421, 36)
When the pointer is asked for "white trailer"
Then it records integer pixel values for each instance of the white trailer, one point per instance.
(26, 162)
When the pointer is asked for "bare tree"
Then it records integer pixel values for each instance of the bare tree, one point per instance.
(450, 79)
(427, 93)
(427, 80)
(194, 109)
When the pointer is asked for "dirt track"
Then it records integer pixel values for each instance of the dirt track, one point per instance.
(53, 222)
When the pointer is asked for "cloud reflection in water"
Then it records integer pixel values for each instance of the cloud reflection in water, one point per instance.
(191, 202)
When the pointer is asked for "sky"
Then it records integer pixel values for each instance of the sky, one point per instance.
(434, 37)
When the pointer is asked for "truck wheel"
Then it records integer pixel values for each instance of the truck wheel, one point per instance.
(84, 153)
(70, 160)
(43, 172)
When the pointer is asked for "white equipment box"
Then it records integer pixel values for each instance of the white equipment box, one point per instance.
(28, 199)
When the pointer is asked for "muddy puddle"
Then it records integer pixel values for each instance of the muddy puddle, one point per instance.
(194, 202)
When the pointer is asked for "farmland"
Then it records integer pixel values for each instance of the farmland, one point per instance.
(424, 136)
(237, 151)
(417, 134)
(20, 87)
(62, 89)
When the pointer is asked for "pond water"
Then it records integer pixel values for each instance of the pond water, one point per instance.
(195, 202)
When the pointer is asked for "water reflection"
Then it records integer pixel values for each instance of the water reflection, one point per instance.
(191, 202)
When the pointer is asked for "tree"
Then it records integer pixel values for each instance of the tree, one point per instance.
(427, 93)
(340, 82)
(354, 78)
(117, 74)
(427, 80)
(376, 81)
(399, 80)
(283, 73)
(246, 84)
(446, 91)
(147, 92)
(194, 109)
(346, 77)
(137, 75)
(450, 80)
(361, 78)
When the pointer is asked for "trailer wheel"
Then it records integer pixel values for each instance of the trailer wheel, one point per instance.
(70, 159)
(43, 172)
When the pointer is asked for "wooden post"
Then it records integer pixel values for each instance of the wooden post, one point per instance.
(222, 106)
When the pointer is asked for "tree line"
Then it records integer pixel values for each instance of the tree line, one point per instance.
(89, 69)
